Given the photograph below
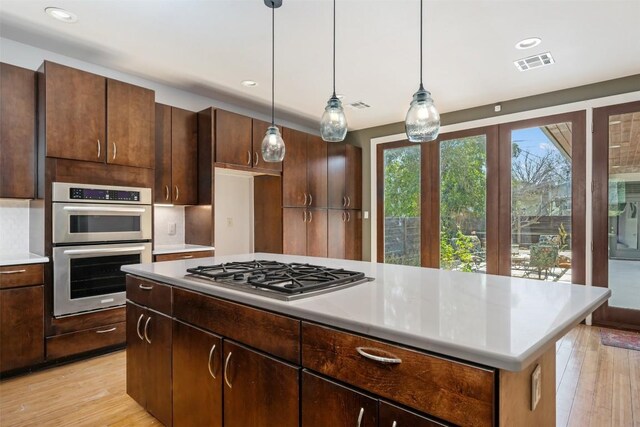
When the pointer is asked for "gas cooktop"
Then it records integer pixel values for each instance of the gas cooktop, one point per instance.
(284, 281)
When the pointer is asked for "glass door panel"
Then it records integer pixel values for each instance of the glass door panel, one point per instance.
(463, 202)
(401, 204)
(541, 202)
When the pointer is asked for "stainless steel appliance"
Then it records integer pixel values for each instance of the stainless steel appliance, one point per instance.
(284, 281)
(96, 230)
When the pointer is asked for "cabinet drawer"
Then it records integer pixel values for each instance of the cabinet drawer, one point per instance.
(149, 294)
(12, 276)
(83, 341)
(456, 392)
(272, 333)
(183, 255)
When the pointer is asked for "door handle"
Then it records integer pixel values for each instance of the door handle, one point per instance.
(310, 216)
(387, 360)
(310, 199)
(115, 150)
(213, 348)
(226, 366)
(138, 327)
(304, 216)
(103, 209)
(145, 288)
(348, 201)
(257, 159)
(177, 192)
(360, 415)
(344, 201)
(99, 149)
(103, 251)
(13, 272)
(348, 216)
(146, 330)
(104, 331)
(305, 199)
(166, 192)
(344, 217)
(249, 157)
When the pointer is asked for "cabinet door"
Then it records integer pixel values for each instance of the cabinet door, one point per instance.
(233, 139)
(353, 176)
(294, 169)
(353, 235)
(17, 132)
(316, 171)
(197, 377)
(337, 190)
(130, 125)
(393, 416)
(184, 156)
(157, 334)
(136, 354)
(259, 130)
(75, 108)
(336, 233)
(317, 232)
(294, 231)
(259, 391)
(163, 187)
(21, 327)
(325, 403)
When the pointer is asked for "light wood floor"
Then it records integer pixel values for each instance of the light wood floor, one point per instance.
(597, 386)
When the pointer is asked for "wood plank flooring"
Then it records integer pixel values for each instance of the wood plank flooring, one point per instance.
(596, 386)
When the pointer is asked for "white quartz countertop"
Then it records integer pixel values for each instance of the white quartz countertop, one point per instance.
(497, 321)
(175, 249)
(21, 258)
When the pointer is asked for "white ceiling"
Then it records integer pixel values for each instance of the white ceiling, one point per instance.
(209, 46)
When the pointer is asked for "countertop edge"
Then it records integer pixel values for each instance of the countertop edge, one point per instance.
(33, 259)
(195, 248)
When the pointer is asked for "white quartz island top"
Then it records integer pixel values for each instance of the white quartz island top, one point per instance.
(497, 321)
(180, 248)
(17, 258)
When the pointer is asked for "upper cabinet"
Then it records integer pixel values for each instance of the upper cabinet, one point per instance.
(88, 117)
(233, 139)
(176, 148)
(304, 170)
(345, 176)
(17, 132)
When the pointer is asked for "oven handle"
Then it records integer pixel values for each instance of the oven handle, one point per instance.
(105, 209)
(103, 250)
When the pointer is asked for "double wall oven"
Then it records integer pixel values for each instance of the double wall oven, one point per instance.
(96, 230)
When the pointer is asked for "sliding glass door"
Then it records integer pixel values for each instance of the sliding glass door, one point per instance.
(616, 222)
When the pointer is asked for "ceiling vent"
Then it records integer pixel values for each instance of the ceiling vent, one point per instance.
(359, 105)
(535, 61)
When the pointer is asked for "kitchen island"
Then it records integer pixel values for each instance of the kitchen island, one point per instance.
(414, 346)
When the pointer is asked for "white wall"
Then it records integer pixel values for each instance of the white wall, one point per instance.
(233, 212)
(14, 226)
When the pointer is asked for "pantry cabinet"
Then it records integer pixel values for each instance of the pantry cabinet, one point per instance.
(304, 170)
(345, 176)
(345, 234)
(304, 232)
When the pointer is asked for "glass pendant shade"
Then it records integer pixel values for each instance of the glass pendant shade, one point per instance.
(273, 145)
(333, 125)
(423, 121)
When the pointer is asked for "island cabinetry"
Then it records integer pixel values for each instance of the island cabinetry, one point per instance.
(259, 390)
(183, 255)
(458, 393)
(393, 416)
(197, 377)
(21, 316)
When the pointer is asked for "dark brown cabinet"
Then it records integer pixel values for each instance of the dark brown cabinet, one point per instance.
(259, 391)
(258, 132)
(17, 132)
(233, 139)
(394, 416)
(21, 316)
(88, 117)
(149, 336)
(345, 234)
(345, 176)
(304, 232)
(176, 174)
(325, 403)
(197, 377)
(304, 170)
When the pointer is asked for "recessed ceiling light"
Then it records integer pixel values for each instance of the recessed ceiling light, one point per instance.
(528, 43)
(61, 14)
(614, 146)
(249, 83)
(615, 122)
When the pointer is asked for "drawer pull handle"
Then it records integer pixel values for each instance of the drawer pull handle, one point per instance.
(186, 256)
(360, 417)
(226, 366)
(389, 360)
(310, 199)
(166, 192)
(104, 331)
(209, 363)
(138, 327)
(145, 288)
(395, 424)
(13, 272)
(305, 199)
(146, 330)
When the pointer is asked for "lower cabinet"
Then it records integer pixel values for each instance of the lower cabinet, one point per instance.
(345, 234)
(304, 232)
(394, 416)
(197, 377)
(259, 391)
(149, 361)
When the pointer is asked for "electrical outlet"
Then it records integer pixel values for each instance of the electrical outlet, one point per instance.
(366, 214)
(536, 387)
(172, 229)
(229, 222)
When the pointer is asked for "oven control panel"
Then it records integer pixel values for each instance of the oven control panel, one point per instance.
(102, 194)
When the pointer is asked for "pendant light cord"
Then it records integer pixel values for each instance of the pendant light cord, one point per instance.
(273, 60)
(421, 86)
(334, 48)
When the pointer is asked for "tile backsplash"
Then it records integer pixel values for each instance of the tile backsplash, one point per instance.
(14, 226)
(164, 216)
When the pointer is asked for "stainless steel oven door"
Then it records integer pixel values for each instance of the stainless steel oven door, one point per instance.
(83, 222)
(90, 277)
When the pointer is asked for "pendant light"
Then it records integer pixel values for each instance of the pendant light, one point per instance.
(333, 125)
(422, 123)
(272, 143)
